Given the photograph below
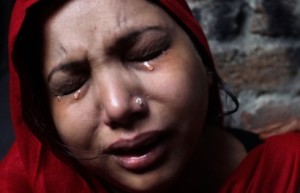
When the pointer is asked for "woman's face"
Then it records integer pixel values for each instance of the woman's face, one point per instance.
(96, 65)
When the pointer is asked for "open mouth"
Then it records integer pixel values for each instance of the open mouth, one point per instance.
(142, 153)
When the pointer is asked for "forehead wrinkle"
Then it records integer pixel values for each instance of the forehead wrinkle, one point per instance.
(126, 22)
(110, 31)
(120, 14)
(63, 49)
(122, 18)
(125, 16)
(59, 52)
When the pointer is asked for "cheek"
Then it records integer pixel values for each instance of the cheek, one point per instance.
(181, 83)
(75, 122)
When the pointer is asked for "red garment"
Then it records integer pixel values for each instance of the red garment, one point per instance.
(273, 167)
(31, 166)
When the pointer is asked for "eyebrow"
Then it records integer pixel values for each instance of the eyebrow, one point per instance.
(129, 36)
(133, 33)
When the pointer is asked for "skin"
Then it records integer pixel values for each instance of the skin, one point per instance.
(86, 50)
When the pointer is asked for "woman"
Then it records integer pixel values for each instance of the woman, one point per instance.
(110, 96)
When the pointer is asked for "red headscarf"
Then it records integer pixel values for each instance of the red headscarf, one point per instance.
(32, 167)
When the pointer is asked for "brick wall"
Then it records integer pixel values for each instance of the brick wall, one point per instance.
(256, 46)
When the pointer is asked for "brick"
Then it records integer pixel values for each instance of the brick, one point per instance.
(256, 47)
(263, 71)
(276, 18)
(221, 20)
(270, 111)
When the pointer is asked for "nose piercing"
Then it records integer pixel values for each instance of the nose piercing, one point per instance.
(148, 66)
(76, 95)
(139, 101)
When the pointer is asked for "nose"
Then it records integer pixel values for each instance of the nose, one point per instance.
(120, 107)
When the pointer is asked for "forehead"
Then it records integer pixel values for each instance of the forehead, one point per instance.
(108, 17)
(82, 26)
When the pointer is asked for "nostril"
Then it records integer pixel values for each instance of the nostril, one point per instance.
(129, 123)
(125, 115)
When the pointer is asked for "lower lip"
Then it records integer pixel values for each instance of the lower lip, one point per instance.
(142, 162)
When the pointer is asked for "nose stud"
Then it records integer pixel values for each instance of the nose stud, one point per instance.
(139, 101)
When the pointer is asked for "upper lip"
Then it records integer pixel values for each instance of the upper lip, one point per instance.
(135, 144)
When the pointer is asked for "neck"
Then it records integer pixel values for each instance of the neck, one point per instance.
(214, 159)
(194, 175)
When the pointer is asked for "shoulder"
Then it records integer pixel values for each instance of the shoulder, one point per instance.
(280, 152)
(273, 167)
(288, 141)
(13, 174)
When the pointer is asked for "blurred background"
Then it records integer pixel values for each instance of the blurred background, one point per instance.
(256, 46)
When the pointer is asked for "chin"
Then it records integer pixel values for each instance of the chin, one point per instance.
(147, 183)
(158, 180)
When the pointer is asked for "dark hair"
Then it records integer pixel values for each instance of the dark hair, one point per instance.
(28, 57)
(215, 112)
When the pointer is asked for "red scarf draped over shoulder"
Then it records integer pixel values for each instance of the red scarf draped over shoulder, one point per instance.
(273, 167)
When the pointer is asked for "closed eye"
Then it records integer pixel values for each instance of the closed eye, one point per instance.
(148, 48)
(68, 85)
(68, 78)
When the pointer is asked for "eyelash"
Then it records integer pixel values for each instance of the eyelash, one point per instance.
(149, 56)
(148, 53)
(71, 87)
